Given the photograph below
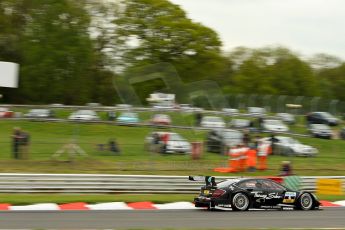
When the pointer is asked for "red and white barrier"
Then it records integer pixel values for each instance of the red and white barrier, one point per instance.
(80, 206)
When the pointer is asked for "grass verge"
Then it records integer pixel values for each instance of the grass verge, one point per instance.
(49, 137)
(24, 199)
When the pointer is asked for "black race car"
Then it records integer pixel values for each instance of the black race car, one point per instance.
(244, 193)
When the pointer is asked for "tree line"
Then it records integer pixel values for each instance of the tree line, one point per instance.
(74, 52)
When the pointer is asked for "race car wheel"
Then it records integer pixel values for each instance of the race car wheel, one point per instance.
(305, 202)
(240, 202)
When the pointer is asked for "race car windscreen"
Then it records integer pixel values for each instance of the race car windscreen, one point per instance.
(226, 183)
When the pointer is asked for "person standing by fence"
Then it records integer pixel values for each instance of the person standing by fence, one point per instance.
(25, 145)
(16, 142)
(20, 144)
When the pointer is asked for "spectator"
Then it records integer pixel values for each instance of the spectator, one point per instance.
(25, 145)
(260, 121)
(198, 118)
(164, 139)
(16, 140)
(113, 146)
(256, 141)
(111, 116)
(286, 169)
(155, 145)
(251, 158)
(155, 139)
(273, 140)
(246, 138)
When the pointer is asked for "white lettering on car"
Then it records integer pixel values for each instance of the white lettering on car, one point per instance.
(273, 195)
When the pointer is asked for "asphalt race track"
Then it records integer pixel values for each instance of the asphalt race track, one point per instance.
(326, 218)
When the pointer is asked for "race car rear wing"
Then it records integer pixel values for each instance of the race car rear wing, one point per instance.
(209, 180)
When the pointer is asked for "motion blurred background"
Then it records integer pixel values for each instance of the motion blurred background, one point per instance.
(107, 58)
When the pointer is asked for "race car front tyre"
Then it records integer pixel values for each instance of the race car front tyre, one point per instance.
(240, 202)
(305, 202)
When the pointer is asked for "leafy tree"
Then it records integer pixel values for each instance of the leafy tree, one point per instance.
(324, 61)
(57, 53)
(333, 80)
(293, 76)
(272, 70)
(69, 50)
(156, 31)
(59, 61)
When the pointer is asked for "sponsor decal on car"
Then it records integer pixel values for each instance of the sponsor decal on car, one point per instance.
(273, 195)
(289, 197)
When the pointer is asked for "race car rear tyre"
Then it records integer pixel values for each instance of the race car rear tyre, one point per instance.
(305, 202)
(240, 202)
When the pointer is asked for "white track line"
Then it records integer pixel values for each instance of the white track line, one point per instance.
(36, 207)
(109, 206)
(175, 205)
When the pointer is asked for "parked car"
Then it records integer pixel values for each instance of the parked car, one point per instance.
(6, 113)
(322, 118)
(56, 105)
(230, 111)
(212, 122)
(221, 140)
(167, 142)
(124, 106)
(40, 113)
(320, 130)
(161, 119)
(287, 146)
(243, 124)
(185, 107)
(287, 118)
(198, 109)
(240, 123)
(84, 115)
(256, 111)
(164, 106)
(128, 117)
(94, 104)
(274, 125)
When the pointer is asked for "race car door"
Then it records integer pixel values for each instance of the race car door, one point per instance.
(274, 192)
(255, 190)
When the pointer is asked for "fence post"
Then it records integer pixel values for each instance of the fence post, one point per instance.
(299, 101)
(238, 100)
(267, 98)
(280, 103)
(252, 98)
(333, 106)
(313, 103)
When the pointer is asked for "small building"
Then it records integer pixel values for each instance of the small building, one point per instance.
(161, 100)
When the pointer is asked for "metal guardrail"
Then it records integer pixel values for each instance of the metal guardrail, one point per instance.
(105, 183)
(309, 182)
